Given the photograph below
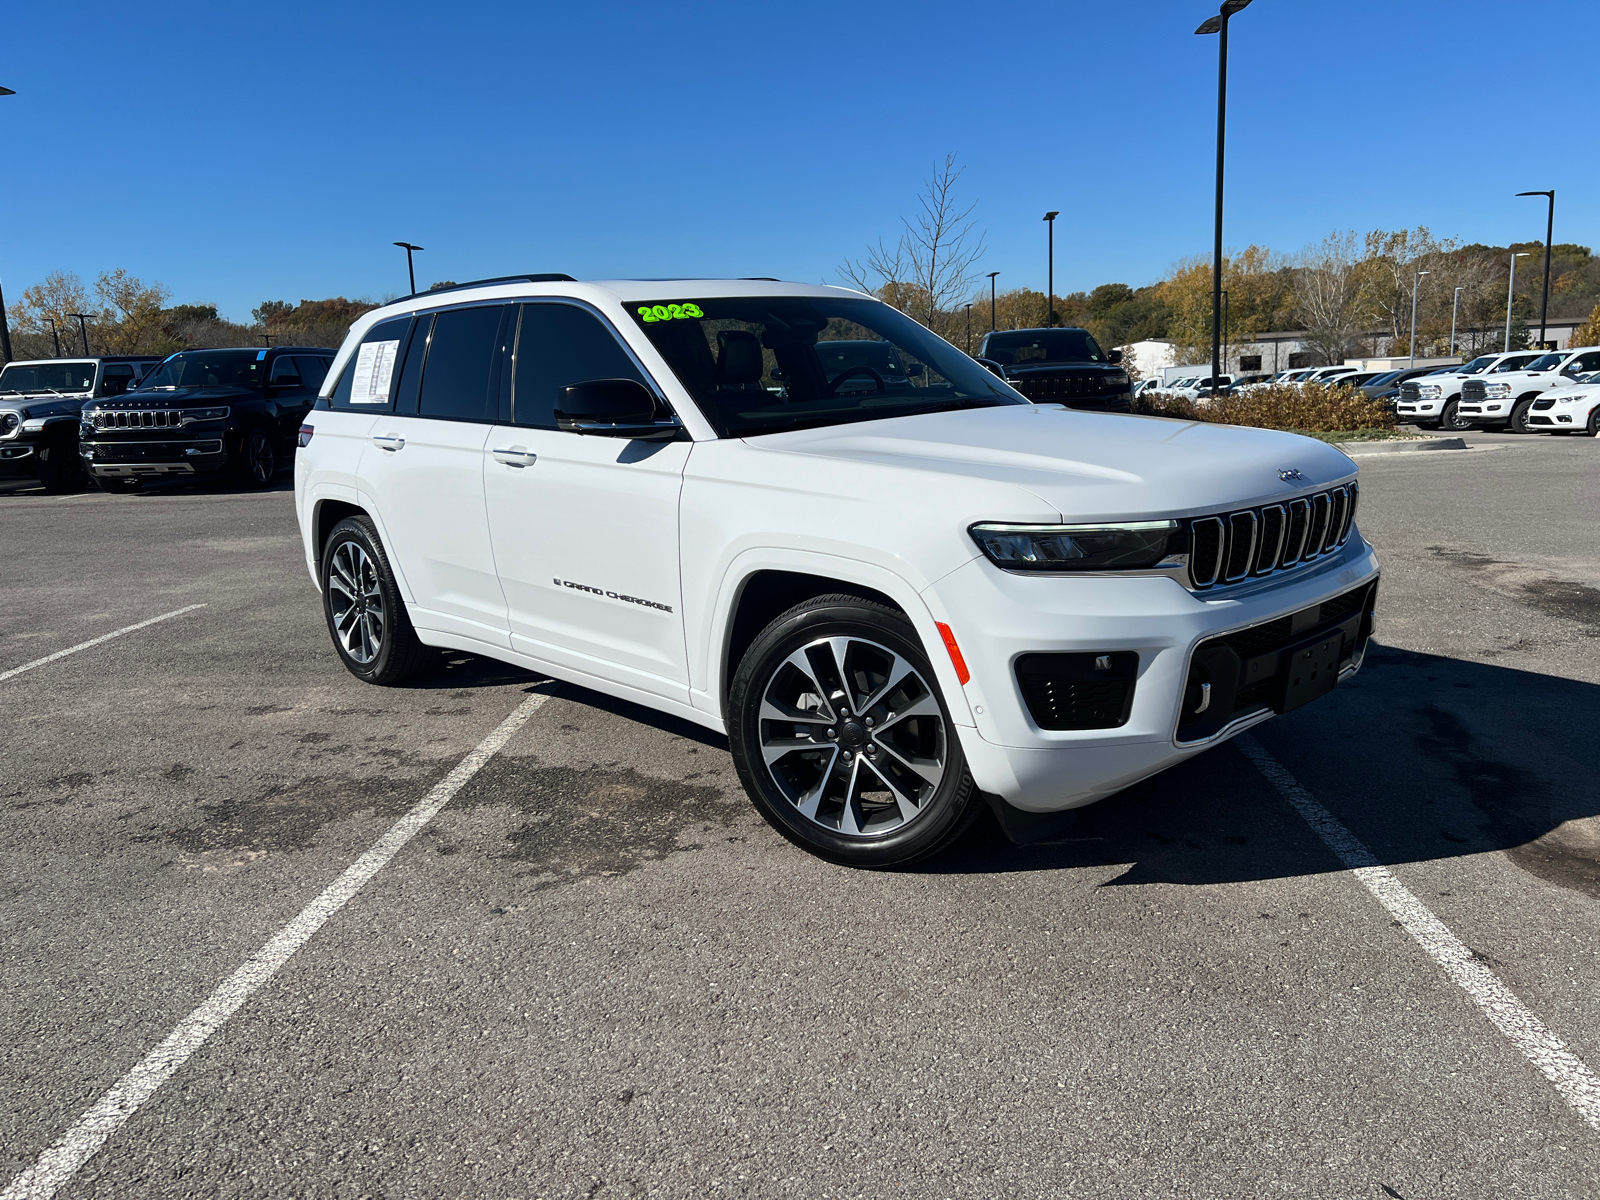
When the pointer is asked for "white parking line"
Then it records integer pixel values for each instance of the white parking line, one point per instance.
(1577, 1084)
(61, 1161)
(104, 637)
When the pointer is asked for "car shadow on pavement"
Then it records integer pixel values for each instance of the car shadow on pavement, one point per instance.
(1425, 758)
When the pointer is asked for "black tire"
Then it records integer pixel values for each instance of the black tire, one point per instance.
(868, 831)
(1594, 421)
(118, 484)
(257, 461)
(1448, 418)
(394, 653)
(60, 469)
(1519, 417)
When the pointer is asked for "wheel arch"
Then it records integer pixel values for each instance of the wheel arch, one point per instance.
(759, 588)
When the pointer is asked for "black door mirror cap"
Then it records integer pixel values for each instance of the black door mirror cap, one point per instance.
(614, 408)
(1113, 357)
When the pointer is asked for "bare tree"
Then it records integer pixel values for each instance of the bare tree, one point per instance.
(930, 269)
(1330, 296)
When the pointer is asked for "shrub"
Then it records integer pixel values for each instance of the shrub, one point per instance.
(1311, 409)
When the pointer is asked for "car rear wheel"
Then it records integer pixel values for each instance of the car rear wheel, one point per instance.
(366, 617)
(1519, 417)
(1451, 420)
(842, 740)
(60, 468)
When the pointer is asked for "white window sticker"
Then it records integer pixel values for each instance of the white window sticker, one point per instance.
(374, 369)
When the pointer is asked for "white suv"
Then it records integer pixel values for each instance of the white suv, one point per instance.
(900, 597)
(1505, 400)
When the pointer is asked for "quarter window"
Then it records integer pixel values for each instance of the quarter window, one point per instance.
(313, 370)
(284, 372)
(455, 378)
(562, 344)
(366, 384)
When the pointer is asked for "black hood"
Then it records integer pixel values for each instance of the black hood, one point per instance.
(1085, 370)
(45, 404)
(208, 397)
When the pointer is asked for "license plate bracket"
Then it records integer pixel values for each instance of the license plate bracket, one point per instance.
(1310, 670)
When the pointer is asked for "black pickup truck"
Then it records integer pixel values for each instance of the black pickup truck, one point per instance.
(1058, 366)
(40, 399)
(205, 412)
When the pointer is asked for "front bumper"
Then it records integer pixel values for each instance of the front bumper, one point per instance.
(998, 617)
(143, 459)
(1420, 408)
(17, 460)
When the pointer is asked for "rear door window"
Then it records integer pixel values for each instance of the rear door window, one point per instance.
(285, 373)
(456, 373)
(561, 344)
(367, 383)
(313, 369)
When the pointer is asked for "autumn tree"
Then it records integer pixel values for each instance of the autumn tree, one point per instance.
(1332, 295)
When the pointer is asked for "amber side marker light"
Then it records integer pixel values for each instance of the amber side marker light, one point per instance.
(956, 660)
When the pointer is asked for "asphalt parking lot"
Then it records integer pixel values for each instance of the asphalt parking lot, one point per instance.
(595, 972)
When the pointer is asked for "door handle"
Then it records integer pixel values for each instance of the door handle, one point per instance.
(515, 456)
(388, 441)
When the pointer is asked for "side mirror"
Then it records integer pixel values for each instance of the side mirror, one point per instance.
(1113, 357)
(994, 368)
(916, 371)
(614, 408)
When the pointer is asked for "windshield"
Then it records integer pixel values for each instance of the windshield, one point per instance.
(22, 378)
(1516, 362)
(1386, 377)
(1548, 363)
(1035, 347)
(208, 368)
(1481, 363)
(760, 364)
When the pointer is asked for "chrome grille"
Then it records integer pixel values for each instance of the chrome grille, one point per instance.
(1474, 389)
(1062, 388)
(1408, 391)
(1262, 541)
(138, 418)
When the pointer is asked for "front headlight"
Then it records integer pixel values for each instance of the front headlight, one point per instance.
(1118, 380)
(1497, 391)
(1429, 391)
(1123, 546)
(205, 414)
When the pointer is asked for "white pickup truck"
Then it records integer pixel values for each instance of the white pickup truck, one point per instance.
(1431, 401)
(1502, 399)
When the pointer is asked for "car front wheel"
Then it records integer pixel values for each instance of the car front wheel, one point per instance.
(842, 740)
(258, 459)
(1519, 417)
(1451, 420)
(366, 617)
(60, 469)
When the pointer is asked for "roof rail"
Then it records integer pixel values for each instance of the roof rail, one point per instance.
(551, 277)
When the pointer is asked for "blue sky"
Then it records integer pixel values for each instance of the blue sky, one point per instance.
(237, 156)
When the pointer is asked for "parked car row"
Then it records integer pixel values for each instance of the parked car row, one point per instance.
(1497, 391)
(116, 421)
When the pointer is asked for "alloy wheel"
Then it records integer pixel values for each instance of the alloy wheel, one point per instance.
(259, 458)
(853, 736)
(355, 600)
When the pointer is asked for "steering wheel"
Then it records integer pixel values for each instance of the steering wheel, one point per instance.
(833, 386)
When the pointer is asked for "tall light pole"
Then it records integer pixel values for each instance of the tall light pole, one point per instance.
(1050, 286)
(83, 329)
(55, 334)
(1416, 277)
(1455, 306)
(1511, 291)
(411, 272)
(969, 327)
(1549, 228)
(5, 328)
(992, 274)
(1219, 24)
(1224, 328)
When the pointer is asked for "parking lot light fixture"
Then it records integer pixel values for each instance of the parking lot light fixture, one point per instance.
(1416, 278)
(1549, 229)
(411, 271)
(992, 274)
(1455, 306)
(5, 327)
(83, 329)
(1050, 272)
(1511, 291)
(1219, 24)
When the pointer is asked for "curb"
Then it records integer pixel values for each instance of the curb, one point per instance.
(1448, 443)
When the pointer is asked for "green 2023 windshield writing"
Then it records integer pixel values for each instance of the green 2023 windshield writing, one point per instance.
(668, 312)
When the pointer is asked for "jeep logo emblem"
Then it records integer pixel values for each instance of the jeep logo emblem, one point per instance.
(1290, 474)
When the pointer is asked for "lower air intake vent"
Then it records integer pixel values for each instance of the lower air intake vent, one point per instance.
(1078, 691)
